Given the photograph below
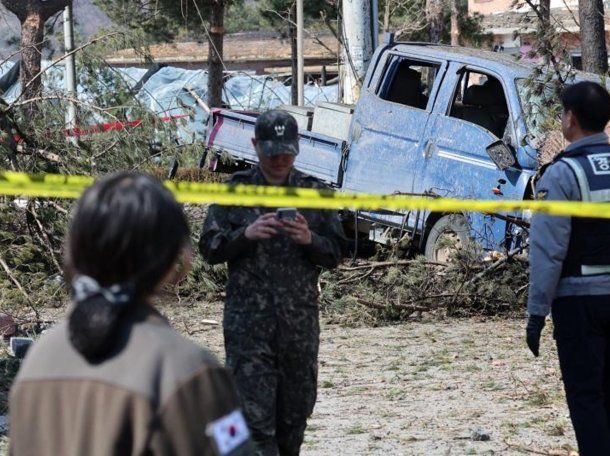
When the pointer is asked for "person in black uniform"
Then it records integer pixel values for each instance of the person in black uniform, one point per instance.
(570, 266)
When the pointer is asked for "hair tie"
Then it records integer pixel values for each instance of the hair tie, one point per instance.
(85, 287)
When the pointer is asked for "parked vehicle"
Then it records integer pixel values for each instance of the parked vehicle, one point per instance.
(432, 120)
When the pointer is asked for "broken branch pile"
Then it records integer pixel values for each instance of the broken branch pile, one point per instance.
(375, 292)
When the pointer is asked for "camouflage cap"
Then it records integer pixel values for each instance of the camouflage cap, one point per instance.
(277, 133)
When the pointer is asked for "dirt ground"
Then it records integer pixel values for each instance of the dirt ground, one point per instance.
(425, 388)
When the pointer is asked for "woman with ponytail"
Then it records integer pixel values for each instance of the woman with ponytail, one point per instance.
(115, 378)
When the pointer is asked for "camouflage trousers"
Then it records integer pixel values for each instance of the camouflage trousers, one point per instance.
(275, 367)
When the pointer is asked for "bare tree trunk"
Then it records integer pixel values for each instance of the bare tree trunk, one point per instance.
(387, 16)
(593, 37)
(455, 25)
(32, 14)
(215, 53)
(292, 34)
(434, 16)
(32, 35)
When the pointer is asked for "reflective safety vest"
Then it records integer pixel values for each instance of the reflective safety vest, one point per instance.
(589, 249)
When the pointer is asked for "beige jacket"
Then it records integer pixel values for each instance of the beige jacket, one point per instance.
(158, 394)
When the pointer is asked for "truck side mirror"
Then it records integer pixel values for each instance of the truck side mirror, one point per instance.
(502, 155)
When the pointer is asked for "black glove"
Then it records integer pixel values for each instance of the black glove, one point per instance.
(535, 323)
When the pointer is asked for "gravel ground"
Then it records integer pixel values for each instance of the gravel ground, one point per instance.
(432, 387)
(427, 388)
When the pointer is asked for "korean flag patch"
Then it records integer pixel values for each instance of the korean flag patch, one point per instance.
(228, 433)
(600, 163)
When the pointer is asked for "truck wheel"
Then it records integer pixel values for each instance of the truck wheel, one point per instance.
(449, 233)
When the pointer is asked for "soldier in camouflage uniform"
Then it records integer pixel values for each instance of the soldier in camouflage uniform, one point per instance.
(271, 325)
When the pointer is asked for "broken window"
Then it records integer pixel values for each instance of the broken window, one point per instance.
(409, 82)
(479, 99)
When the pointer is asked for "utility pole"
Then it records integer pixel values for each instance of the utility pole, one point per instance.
(300, 57)
(358, 50)
(375, 20)
(69, 68)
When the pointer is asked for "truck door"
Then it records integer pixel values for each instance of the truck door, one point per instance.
(471, 113)
(389, 125)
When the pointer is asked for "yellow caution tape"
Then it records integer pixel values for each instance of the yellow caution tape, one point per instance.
(65, 186)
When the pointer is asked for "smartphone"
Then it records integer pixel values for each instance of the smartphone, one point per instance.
(286, 213)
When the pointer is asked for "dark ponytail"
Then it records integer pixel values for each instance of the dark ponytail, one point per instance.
(93, 325)
(126, 234)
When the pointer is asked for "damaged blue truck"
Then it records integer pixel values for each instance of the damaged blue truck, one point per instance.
(432, 120)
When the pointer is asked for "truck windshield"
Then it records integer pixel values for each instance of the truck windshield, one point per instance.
(541, 107)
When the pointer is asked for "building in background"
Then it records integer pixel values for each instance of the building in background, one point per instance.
(513, 27)
(256, 52)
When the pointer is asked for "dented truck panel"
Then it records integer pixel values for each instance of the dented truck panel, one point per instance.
(395, 148)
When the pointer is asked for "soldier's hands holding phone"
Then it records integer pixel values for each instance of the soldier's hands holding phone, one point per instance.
(297, 229)
(264, 227)
(287, 220)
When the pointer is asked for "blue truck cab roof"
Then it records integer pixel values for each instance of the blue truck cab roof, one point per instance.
(497, 62)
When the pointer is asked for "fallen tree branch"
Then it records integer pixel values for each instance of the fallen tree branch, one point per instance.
(496, 264)
(49, 156)
(57, 207)
(45, 237)
(409, 305)
(13, 279)
(198, 99)
(66, 98)
(356, 277)
(382, 264)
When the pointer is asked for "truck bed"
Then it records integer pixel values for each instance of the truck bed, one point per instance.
(319, 155)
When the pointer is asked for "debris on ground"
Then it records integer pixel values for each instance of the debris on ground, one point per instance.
(373, 292)
(480, 435)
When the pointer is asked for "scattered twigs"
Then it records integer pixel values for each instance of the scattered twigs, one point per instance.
(531, 450)
(204, 323)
